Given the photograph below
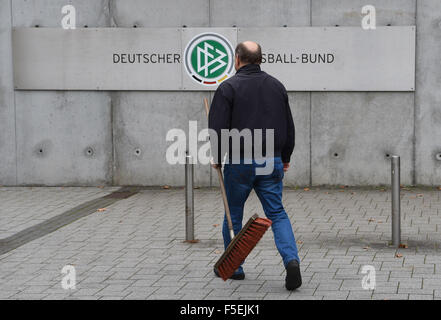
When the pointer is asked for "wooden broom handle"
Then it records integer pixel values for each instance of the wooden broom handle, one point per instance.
(207, 108)
(222, 186)
(224, 198)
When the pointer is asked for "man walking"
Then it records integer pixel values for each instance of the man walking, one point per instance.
(250, 100)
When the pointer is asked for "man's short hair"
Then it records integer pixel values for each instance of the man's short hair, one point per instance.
(248, 56)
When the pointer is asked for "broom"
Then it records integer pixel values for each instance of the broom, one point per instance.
(245, 241)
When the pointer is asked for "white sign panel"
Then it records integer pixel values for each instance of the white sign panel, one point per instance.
(97, 59)
(338, 58)
(304, 59)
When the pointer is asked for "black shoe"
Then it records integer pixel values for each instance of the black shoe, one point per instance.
(293, 278)
(235, 276)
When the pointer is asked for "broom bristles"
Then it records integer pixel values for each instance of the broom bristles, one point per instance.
(241, 246)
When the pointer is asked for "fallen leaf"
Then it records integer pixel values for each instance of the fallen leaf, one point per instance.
(166, 187)
(299, 242)
(215, 225)
(192, 241)
(102, 209)
(404, 246)
(420, 195)
(398, 255)
(306, 189)
(366, 248)
(217, 252)
(371, 219)
(380, 221)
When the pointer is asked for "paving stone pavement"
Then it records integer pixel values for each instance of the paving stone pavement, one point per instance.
(135, 250)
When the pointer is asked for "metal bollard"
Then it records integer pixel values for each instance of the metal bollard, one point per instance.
(396, 209)
(189, 198)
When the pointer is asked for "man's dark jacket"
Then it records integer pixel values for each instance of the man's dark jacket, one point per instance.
(252, 99)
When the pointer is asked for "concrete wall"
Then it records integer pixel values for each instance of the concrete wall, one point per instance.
(428, 94)
(352, 133)
(96, 138)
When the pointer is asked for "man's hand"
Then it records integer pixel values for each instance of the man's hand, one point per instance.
(216, 165)
(285, 166)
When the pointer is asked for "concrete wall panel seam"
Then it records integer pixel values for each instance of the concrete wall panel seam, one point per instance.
(310, 111)
(15, 111)
(414, 179)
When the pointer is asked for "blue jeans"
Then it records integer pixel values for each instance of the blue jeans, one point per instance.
(240, 179)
